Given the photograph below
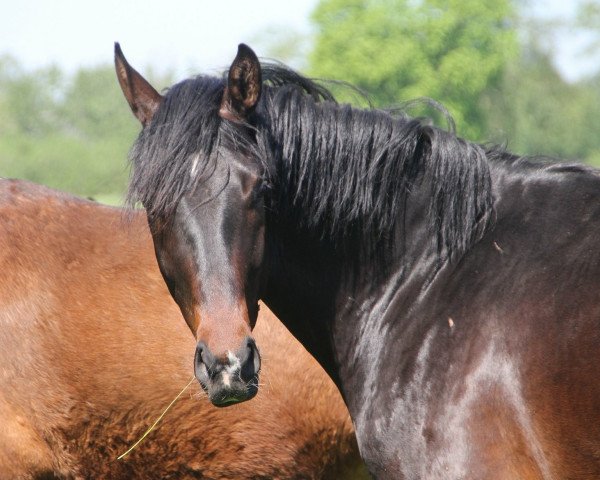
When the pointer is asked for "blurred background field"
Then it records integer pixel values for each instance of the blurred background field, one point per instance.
(525, 74)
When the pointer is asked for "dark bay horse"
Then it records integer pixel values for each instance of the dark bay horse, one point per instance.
(93, 348)
(451, 291)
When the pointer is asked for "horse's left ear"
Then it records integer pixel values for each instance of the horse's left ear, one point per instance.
(244, 84)
(143, 99)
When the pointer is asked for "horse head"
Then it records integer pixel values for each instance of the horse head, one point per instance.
(202, 189)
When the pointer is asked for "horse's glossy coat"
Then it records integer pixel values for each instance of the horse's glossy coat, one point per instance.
(92, 349)
(452, 292)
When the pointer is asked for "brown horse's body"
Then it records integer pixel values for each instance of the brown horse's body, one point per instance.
(93, 348)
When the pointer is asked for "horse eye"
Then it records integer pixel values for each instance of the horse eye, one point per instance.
(262, 188)
(260, 191)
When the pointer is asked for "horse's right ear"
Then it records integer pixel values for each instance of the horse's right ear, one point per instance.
(143, 99)
(244, 84)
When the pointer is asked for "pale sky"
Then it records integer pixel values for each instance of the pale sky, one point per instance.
(187, 36)
(166, 34)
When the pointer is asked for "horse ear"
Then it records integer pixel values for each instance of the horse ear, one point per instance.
(143, 99)
(244, 84)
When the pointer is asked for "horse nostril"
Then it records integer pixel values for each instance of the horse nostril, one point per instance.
(255, 357)
(204, 360)
(250, 361)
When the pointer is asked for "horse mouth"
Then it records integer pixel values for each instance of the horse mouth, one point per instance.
(224, 397)
(228, 401)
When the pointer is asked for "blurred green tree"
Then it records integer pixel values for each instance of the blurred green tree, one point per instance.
(28, 102)
(93, 106)
(71, 132)
(536, 111)
(395, 50)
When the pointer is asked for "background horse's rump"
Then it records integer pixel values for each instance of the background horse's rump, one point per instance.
(92, 348)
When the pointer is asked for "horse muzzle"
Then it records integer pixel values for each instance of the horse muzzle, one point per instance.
(231, 377)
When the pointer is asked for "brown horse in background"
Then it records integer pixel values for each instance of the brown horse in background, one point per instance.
(93, 348)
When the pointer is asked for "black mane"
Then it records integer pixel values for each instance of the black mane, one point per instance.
(346, 169)
(335, 168)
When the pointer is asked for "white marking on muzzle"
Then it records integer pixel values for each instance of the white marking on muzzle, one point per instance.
(234, 362)
(232, 369)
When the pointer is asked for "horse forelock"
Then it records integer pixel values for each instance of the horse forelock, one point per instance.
(176, 148)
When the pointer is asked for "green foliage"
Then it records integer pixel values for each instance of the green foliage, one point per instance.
(396, 50)
(71, 133)
(588, 16)
(489, 62)
(539, 113)
(86, 168)
(27, 100)
(94, 105)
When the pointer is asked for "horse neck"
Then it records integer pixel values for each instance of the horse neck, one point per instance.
(339, 184)
(326, 294)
